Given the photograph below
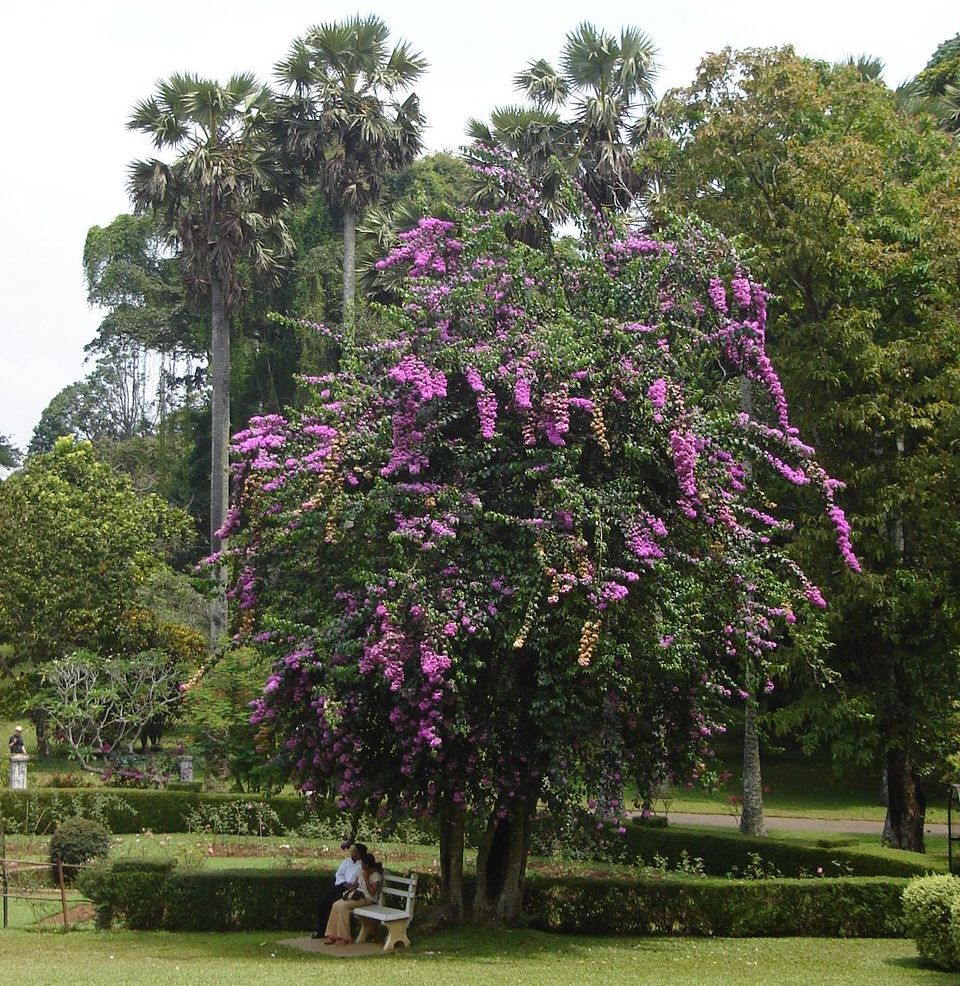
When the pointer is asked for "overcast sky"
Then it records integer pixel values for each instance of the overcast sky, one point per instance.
(70, 70)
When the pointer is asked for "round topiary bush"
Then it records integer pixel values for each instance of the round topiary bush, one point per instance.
(76, 841)
(931, 907)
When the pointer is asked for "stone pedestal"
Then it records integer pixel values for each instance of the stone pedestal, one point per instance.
(18, 771)
(186, 770)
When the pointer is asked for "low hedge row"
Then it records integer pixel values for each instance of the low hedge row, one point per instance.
(723, 852)
(126, 810)
(159, 897)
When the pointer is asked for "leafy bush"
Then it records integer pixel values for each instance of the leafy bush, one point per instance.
(235, 818)
(75, 842)
(931, 913)
(144, 772)
(68, 780)
(132, 890)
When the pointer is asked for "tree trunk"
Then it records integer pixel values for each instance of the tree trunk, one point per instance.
(451, 863)
(502, 865)
(349, 279)
(751, 817)
(907, 804)
(220, 450)
(39, 719)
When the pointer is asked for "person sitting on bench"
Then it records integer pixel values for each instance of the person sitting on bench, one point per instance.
(347, 878)
(367, 892)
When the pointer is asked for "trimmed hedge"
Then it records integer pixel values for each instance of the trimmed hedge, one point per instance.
(858, 907)
(248, 899)
(126, 810)
(722, 852)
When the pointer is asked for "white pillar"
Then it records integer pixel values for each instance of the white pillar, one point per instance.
(186, 770)
(18, 771)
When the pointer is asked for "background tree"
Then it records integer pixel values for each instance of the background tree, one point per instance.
(514, 553)
(9, 453)
(220, 202)
(76, 544)
(586, 120)
(846, 206)
(344, 126)
(936, 90)
(98, 706)
(218, 709)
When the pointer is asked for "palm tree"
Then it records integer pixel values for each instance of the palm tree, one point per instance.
(607, 83)
(345, 127)
(220, 201)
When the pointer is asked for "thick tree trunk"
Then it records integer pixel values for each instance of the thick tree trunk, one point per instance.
(349, 279)
(502, 865)
(39, 719)
(907, 804)
(451, 863)
(220, 449)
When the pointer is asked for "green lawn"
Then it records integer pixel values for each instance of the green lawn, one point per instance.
(468, 958)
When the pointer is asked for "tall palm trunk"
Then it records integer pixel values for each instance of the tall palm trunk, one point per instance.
(220, 448)
(349, 277)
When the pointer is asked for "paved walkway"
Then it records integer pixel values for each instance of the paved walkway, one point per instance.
(795, 824)
(307, 944)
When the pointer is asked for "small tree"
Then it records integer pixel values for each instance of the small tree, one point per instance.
(517, 554)
(76, 544)
(99, 705)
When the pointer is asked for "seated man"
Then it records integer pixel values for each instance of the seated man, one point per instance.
(347, 878)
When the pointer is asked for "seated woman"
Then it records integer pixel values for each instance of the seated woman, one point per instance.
(367, 892)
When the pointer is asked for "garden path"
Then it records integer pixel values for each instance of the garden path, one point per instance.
(796, 824)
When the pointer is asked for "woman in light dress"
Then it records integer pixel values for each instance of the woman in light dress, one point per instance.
(367, 892)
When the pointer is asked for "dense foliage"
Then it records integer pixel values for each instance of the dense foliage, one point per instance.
(75, 842)
(931, 913)
(523, 551)
(850, 210)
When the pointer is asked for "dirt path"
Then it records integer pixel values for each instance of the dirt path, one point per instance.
(795, 824)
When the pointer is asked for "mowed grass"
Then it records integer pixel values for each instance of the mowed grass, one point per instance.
(468, 958)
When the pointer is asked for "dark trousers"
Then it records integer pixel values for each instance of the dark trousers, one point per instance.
(326, 903)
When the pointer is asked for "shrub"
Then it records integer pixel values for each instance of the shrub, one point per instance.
(75, 842)
(132, 890)
(931, 912)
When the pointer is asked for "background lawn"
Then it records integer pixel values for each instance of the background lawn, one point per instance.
(469, 958)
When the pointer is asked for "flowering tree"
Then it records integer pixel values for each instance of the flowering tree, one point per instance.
(522, 552)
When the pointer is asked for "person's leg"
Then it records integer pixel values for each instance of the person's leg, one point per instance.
(326, 902)
(332, 931)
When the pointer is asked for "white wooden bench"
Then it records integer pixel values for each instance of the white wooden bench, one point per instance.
(396, 919)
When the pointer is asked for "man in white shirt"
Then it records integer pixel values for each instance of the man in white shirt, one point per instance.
(347, 878)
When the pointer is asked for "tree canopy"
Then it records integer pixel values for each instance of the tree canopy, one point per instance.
(848, 206)
(518, 552)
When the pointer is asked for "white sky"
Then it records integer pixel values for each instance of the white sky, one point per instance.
(70, 70)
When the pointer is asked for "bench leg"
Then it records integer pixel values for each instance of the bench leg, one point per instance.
(396, 934)
(366, 926)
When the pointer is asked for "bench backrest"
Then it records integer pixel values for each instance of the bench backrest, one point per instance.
(398, 891)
